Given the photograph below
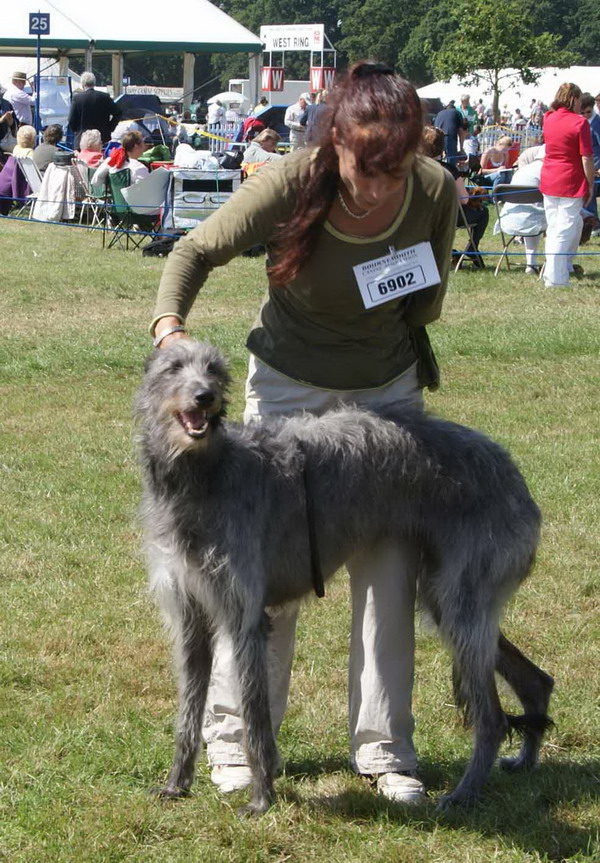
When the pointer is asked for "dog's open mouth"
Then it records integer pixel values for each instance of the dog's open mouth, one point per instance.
(195, 423)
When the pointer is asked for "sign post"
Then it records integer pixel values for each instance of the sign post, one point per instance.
(39, 25)
(296, 37)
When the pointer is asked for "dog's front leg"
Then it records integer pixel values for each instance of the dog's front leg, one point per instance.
(251, 658)
(196, 652)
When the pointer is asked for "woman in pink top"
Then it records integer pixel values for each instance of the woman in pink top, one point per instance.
(90, 145)
(567, 181)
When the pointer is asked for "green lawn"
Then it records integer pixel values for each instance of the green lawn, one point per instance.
(88, 697)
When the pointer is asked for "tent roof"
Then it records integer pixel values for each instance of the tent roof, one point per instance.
(196, 26)
(586, 77)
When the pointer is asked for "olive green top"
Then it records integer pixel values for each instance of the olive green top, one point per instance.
(316, 329)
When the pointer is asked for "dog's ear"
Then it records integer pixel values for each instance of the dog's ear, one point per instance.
(150, 359)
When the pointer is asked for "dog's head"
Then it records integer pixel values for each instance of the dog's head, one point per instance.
(182, 398)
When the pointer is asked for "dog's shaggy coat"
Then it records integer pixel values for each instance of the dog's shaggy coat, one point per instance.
(226, 530)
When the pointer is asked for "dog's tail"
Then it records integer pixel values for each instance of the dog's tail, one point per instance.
(523, 724)
(528, 722)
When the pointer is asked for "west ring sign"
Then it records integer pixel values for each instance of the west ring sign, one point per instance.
(293, 37)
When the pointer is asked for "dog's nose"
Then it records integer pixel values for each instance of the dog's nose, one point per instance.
(204, 398)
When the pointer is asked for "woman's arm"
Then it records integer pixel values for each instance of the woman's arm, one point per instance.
(425, 306)
(248, 219)
(590, 175)
(100, 174)
(463, 195)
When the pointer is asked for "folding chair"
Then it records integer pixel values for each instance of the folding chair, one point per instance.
(507, 193)
(125, 225)
(92, 197)
(469, 250)
(34, 179)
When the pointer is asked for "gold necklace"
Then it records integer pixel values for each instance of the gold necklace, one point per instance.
(347, 210)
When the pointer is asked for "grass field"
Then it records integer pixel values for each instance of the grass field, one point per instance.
(88, 696)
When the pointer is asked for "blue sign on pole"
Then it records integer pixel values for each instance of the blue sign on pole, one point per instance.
(39, 23)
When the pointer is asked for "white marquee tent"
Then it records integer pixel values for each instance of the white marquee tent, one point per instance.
(183, 26)
(586, 77)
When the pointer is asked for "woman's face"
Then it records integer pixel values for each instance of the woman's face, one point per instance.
(137, 150)
(269, 145)
(370, 191)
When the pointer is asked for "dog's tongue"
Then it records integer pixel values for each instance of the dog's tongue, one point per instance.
(193, 420)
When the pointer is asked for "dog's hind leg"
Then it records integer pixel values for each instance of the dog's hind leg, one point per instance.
(533, 688)
(261, 749)
(195, 654)
(479, 695)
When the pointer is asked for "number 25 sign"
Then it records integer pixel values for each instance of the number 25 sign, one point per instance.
(39, 23)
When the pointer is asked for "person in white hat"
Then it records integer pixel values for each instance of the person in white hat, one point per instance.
(19, 99)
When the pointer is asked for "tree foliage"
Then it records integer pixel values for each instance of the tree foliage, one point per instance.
(494, 41)
(421, 39)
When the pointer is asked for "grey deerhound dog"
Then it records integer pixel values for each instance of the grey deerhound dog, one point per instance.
(225, 510)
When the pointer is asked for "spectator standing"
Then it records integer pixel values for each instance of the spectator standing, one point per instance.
(19, 99)
(519, 122)
(44, 152)
(450, 121)
(567, 181)
(468, 113)
(587, 111)
(293, 118)
(92, 109)
(311, 116)
(216, 114)
(480, 111)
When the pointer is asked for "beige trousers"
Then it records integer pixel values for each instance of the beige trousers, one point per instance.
(382, 582)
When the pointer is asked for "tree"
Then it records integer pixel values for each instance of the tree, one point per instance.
(495, 42)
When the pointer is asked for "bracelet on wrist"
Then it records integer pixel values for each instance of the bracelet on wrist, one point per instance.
(168, 332)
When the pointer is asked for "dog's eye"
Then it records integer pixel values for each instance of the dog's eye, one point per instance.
(176, 365)
(211, 369)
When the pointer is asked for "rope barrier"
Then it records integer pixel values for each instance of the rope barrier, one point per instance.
(73, 224)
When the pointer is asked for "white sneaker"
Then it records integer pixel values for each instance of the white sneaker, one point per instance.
(401, 787)
(231, 777)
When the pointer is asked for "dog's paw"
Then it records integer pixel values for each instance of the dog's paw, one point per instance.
(517, 762)
(168, 792)
(254, 809)
(452, 801)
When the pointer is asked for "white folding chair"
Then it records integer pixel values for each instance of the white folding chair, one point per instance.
(34, 180)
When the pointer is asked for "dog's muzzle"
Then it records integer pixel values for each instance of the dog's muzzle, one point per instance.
(195, 421)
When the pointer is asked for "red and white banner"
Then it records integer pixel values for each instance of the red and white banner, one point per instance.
(272, 78)
(322, 77)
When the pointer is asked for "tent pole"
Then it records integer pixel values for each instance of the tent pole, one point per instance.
(254, 78)
(189, 61)
(89, 54)
(117, 74)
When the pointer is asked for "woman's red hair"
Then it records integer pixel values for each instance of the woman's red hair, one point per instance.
(377, 116)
